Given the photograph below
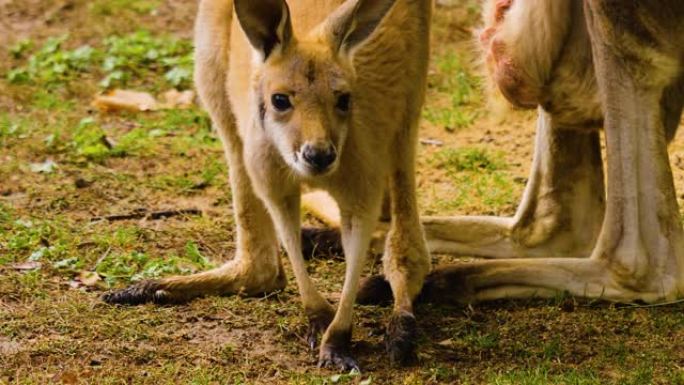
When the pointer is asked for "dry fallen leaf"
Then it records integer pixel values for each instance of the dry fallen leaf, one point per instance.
(178, 99)
(89, 278)
(46, 167)
(125, 100)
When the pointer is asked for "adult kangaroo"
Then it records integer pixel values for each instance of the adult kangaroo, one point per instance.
(585, 65)
(323, 93)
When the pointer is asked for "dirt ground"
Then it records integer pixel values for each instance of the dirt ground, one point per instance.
(64, 166)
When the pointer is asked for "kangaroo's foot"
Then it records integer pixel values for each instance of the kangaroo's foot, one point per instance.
(335, 352)
(400, 339)
(234, 277)
(319, 320)
(600, 278)
(139, 293)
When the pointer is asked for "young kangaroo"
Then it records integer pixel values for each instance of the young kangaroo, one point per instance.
(325, 93)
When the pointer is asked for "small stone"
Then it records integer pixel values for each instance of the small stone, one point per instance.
(82, 183)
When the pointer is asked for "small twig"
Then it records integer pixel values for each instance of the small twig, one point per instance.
(431, 142)
(103, 256)
(144, 213)
(269, 295)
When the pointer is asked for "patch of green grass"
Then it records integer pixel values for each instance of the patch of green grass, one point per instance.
(469, 159)
(137, 142)
(450, 118)
(45, 100)
(542, 376)
(643, 375)
(119, 60)
(135, 266)
(457, 88)
(90, 142)
(189, 130)
(483, 341)
(618, 352)
(52, 65)
(552, 349)
(10, 129)
(317, 379)
(492, 191)
(479, 178)
(180, 184)
(20, 48)
(177, 120)
(444, 374)
(208, 171)
(5, 216)
(135, 54)
(454, 77)
(676, 376)
(122, 237)
(32, 239)
(113, 7)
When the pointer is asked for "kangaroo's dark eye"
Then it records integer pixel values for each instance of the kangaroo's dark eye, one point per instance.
(281, 102)
(343, 102)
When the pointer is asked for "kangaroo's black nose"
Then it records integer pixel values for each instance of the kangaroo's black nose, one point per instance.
(319, 157)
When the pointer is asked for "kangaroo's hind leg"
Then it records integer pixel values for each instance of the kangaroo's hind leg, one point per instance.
(406, 260)
(561, 210)
(256, 267)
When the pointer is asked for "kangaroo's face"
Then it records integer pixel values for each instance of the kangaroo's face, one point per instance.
(302, 86)
(305, 103)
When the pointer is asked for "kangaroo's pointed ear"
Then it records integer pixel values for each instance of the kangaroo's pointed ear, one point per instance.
(354, 21)
(266, 24)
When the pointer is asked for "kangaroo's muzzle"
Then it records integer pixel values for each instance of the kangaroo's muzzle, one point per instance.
(319, 156)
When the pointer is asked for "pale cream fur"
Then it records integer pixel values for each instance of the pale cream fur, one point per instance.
(533, 30)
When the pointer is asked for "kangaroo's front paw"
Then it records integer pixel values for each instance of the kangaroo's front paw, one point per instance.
(139, 293)
(335, 352)
(319, 320)
(400, 340)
